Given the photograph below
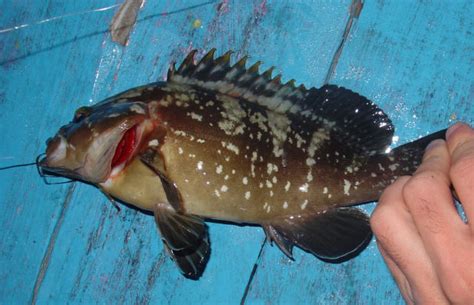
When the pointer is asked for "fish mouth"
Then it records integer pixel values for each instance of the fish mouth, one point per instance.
(125, 149)
(45, 171)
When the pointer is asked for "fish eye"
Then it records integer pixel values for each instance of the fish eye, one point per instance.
(81, 114)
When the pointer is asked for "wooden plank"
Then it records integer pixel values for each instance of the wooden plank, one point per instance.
(65, 243)
(414, 59)
(37, 65)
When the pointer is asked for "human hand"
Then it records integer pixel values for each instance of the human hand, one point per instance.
(422, 238)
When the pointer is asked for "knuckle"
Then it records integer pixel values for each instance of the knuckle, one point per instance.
(424, 183)
(462, 167)
(377, 220)
(419, 196)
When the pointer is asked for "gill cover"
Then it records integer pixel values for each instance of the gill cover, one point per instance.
(98, 140)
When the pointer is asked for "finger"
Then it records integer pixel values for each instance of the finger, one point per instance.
(398, 276)
(460, 140)
(397, 234)
(428, 198)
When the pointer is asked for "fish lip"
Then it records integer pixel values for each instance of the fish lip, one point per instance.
(45, 170)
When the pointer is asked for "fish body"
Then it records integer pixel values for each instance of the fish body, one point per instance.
(225, 142)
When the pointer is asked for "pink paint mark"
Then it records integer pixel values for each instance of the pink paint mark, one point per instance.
(223, 7)
(262, 9)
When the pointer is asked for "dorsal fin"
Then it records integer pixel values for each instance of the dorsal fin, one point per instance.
(360, 123)
(218, 74)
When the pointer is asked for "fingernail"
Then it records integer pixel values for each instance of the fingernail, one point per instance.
(451, 129)
(434, 144)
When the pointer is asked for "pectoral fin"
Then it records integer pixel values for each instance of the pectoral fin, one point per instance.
(335, 235)
(186, 239)
(154, 161)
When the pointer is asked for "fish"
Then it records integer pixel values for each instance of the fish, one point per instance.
(226, 142)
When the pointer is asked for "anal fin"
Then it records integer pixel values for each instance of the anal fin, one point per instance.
(335, 235)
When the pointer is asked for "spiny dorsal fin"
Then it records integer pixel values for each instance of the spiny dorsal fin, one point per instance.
(360, 123)
(219, 75)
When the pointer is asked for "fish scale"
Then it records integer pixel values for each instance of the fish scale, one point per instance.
(225, 142)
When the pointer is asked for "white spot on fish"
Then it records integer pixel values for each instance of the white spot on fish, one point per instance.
(254, 156)
(195, 116)
(200, 165)
(347, 186)
(310, 162)
(252, 170)
(219, 169)
(224, 188)
(271, 168)
(304, 204)
(274, 179)
(287, 186)
(299, 140)
(373, 175)
(179, 133)
(201, 141)
(245, 180)
(232, 117)
(285, 205)
(279, 127)
(247, 195)
(381, 167)
(153, 142)
(217, 193)
(393, 166)
(269, 184)
(232, 148)
(137, 109)
(317, 140)
(304, 188)
(180, 150)
(325, 190)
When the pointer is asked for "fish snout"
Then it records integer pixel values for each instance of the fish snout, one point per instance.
(56, 150)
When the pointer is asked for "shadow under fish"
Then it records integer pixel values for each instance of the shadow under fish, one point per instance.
(225, 142)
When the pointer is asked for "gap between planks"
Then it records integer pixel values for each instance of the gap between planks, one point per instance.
(52, 242)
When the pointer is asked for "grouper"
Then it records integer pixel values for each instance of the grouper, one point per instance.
(222, 141)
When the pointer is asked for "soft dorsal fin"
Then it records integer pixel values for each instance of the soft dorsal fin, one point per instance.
(360, 123)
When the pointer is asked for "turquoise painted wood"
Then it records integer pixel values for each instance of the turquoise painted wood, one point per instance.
(66, 244)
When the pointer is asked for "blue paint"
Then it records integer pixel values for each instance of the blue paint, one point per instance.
(414, 60)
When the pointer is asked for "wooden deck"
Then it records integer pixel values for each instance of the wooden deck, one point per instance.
(65, 243)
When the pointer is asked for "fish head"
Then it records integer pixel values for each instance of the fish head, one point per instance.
(98, 142)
